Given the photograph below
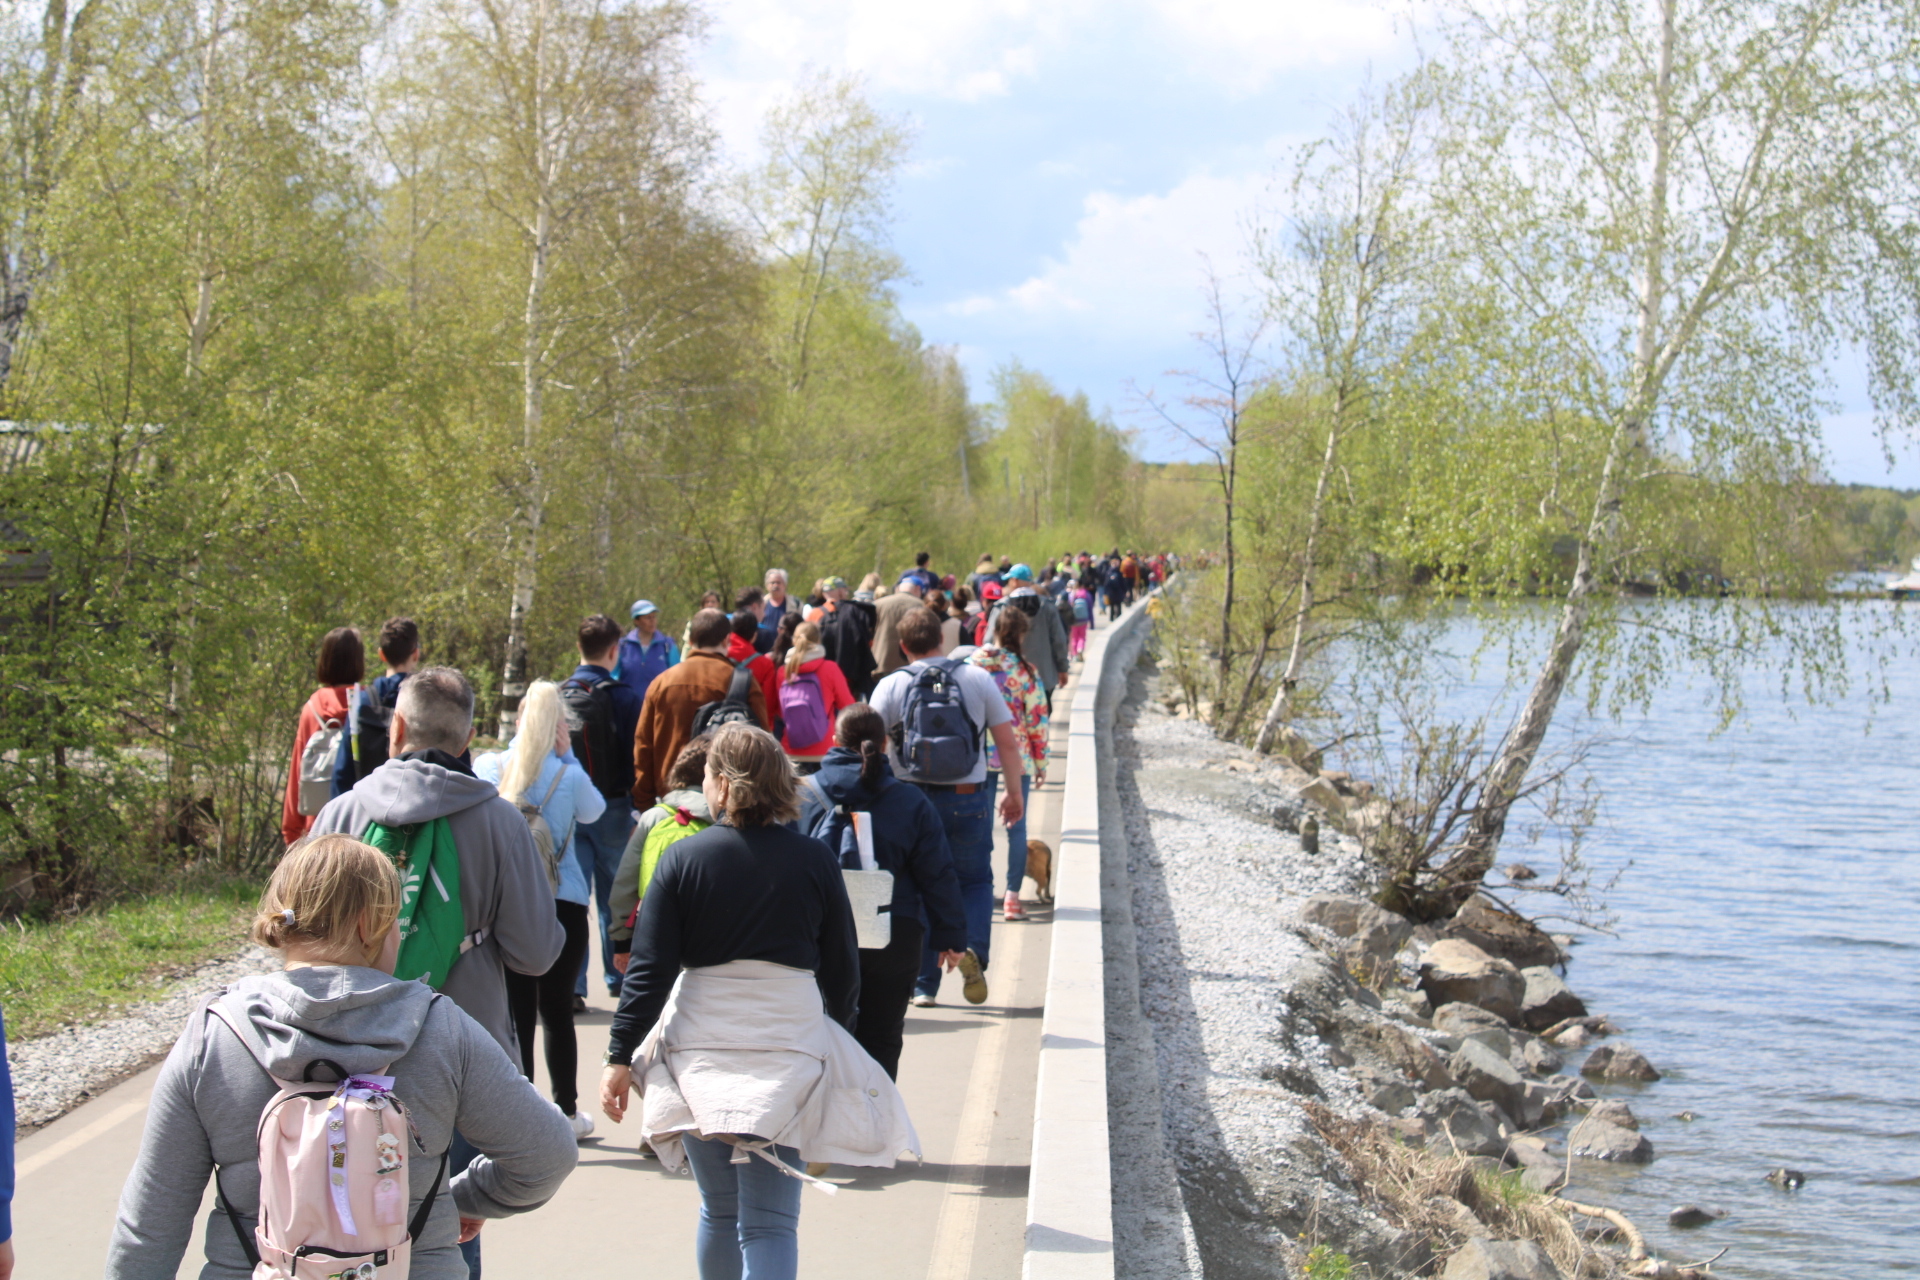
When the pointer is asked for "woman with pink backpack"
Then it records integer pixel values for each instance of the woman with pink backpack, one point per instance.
(812, 693)
(322, 1101)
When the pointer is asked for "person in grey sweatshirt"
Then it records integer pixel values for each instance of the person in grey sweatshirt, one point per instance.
(503, 885)
(336, 1010)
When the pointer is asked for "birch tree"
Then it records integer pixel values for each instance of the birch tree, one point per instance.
(1668, 216)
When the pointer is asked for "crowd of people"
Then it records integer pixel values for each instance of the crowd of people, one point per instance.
(784, 823)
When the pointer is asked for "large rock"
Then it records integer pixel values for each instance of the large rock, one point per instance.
(1540, 1105)
(1500, 932)
(1615, 1111)
(1482, 1259)
(1618, 1062)
(1540, 1058)
(1376, 931)
(1402, 1050)
(1391, 1097)
(1601, 1140)
(1487, 1076)
(1547, 999)
(1293, 744)
(1456, 1121)
(1453, 970)
(1471, 1022)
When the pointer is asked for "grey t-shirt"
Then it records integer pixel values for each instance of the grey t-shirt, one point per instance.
(985, 704)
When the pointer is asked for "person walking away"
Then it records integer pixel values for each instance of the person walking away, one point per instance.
(846, 632)
(904, 599)
(991, 594)
(784, 641)
(333, 1012)
(364, 748)
(909, 842)
(920, 573)
(539, 771)
(645, 652)
(988, 570)
(1046, 646)
(506, 918)
(708, 600)
(325, 721)
(1020, 685)
(740, 648)
(744, 980)
(935, 710)
(680, 813)
(1113, 584)
(812, 694)
(666, 719)
(1082, 601)
(602, 712)
(778, 604)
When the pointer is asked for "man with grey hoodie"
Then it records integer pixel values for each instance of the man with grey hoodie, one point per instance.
(503, 884)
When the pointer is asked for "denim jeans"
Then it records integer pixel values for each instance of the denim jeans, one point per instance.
(749, 1213)
(968, 821)
(598, 846)
(1017, 833)
(459, 1155)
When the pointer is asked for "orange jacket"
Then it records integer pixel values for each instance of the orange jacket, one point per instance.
(327, 704)
(666, 717)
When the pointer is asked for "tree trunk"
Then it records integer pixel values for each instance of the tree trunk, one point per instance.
(1281, 709)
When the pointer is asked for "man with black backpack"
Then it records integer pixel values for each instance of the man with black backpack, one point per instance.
(704, 692)
(602, 712)
(939, 714)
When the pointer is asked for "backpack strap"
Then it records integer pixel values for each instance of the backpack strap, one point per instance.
(740, 688)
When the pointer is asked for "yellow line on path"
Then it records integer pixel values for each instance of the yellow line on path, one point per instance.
(74, 1141)
(966, 1176)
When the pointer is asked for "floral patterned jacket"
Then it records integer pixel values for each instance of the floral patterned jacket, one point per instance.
(1025, 698)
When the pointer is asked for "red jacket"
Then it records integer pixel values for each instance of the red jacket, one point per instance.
(330, 704)
(765, 674)
(833, 685)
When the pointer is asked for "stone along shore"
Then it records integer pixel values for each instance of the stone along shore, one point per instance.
(1331, 1074)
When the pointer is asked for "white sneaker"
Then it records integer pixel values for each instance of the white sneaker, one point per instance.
(921, 1000)
(582, 1125)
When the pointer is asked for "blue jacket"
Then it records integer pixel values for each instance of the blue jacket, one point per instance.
(626, 714)
(638, 665)
(6, 1137)
(908, 840)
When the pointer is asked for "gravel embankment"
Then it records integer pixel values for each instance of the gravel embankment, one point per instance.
(56, 1073)
(1216, 885)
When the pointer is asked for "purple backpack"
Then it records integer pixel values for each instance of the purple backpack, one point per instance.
(804, 707)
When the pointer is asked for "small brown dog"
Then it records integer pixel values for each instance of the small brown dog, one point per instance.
(1040, 867)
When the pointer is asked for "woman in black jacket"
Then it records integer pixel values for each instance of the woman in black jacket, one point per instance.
(908, 841)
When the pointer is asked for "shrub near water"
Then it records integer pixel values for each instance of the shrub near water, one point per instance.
(55, 972)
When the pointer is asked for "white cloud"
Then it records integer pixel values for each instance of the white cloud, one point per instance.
(1243, 45)
(1137, 263)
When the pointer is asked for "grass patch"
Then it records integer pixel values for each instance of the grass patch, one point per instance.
(83, 968)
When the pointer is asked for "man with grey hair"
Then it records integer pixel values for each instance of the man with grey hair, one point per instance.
(503, 883)
(777, 604)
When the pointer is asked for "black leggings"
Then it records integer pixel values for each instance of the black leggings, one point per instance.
(551, 996)
(887, 975)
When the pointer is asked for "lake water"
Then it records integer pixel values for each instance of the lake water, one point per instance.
(1766, 962)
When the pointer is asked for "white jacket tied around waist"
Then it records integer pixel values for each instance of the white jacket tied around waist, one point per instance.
(747, 1048)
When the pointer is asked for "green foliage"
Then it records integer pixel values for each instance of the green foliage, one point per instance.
(1322, 1263)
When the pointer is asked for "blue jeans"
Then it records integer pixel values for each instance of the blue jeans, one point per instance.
(968, 821)
(1017, 833)
(598, 846)
(459, 1155)
(749, 1213)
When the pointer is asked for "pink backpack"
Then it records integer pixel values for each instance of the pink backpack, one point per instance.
(333, 1180)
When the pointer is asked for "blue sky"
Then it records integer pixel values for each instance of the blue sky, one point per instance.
(1076, 158)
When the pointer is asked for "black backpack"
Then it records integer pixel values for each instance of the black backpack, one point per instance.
(589, 711)
(366, 750)
(732, 709)
(936, 738)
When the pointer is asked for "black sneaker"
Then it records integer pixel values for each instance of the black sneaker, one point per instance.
(579, 1004)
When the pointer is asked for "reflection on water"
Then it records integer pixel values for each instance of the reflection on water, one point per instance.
(1765, 963)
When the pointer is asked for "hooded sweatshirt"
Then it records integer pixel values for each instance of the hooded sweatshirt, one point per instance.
(447, 1071)
(329, 703)
(626, 878)
(503, 883)
(833, 692)
(909, 840)
(765, 674)
(1046, 643)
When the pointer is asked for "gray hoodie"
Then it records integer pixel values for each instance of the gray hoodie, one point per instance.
(503, 885)
(447, 1071)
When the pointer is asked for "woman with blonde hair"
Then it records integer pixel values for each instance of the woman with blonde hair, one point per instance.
(538, 771)
(734, 1020)
(334, 1011)
(813, 692)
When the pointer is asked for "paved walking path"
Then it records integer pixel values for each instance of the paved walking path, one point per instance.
(967, 1072)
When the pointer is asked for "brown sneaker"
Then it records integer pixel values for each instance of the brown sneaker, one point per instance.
(974, 986)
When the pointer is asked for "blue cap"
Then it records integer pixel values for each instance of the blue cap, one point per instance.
(644, 606)
(1021, 572)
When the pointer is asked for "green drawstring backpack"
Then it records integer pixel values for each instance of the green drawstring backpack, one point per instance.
(433, 925)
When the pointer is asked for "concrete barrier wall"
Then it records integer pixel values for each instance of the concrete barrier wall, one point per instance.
(1070, 1203)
